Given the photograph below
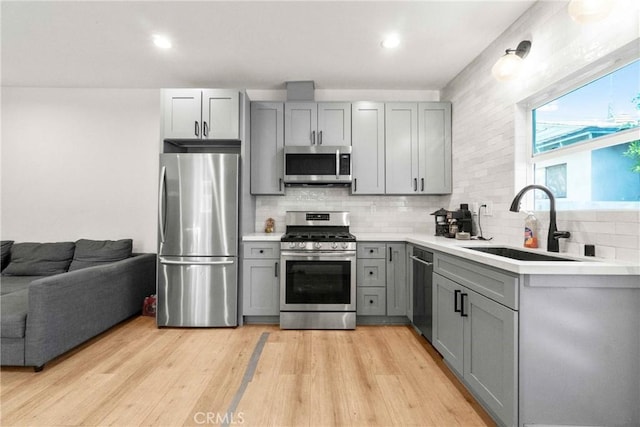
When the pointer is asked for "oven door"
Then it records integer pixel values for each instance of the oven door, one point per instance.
(318, 281)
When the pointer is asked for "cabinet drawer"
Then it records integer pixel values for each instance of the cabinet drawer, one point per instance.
(261, 250)
(495, 284)
(371, 250)
(371, 301)
(371, 272)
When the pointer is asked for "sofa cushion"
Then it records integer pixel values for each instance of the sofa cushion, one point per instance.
(14, 309)
(6, 252)
(89, 253)
(10, 284)
(39, 259)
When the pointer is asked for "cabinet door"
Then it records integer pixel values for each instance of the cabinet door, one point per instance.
(261, 289)
(267, 143)
(221, 114)
(334, 123)
(300, 123)
(448, 325)
(181, 113)
(396, 279)
(490, 346)
(401, 148)
(434, 136)
(367, 140)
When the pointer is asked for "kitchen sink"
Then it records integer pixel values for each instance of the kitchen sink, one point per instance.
(518, 254)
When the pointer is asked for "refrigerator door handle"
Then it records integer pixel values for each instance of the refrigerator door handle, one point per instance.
(170, 262)
(161, 191)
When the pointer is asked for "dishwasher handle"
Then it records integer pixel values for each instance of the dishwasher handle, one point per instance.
(415, 258)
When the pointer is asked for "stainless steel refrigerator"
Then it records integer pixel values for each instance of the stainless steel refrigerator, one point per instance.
(198, 240)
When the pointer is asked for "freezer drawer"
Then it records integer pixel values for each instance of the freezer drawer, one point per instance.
(197, 291)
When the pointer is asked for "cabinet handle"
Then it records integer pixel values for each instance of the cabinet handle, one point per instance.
(462, 313)
(421, 184)
(455, 300)
(205, 130)
(276, 270)
(370, 251)
(371, 273)
(355, 185)
(320, 138)
(370, 301)
(390, 254)
(197, 129)
(415, 184)
(261, 251)
(279, 184)
(313, 137)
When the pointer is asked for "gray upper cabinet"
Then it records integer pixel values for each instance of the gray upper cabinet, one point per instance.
(200, 114)
(401, 147)
(322, 123)
(367, 139)
(434, 136)
(418, 148)
(267, 144)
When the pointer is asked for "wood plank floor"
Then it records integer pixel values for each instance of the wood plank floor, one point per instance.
(136, 374)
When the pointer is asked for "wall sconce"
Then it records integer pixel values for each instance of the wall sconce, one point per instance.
(587, 11)
(508, 67)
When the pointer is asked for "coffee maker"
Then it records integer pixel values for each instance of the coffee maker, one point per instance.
(450, 222)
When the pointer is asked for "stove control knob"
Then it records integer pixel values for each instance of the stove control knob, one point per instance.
(334, 245)
(344, 245)
(317, 245)
(292, 244)
(301, 244)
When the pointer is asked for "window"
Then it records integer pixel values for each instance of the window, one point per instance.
(586, 144)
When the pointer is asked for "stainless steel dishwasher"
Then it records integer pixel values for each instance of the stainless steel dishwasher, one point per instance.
(422, 264)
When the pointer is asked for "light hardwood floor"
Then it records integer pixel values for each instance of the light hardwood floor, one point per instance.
(136, 374)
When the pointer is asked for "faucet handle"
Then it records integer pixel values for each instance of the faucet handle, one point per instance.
(561, 234)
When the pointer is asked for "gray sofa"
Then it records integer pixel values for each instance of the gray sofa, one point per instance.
(55, 296)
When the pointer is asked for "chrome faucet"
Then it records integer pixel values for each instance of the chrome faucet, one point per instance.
(554, 234)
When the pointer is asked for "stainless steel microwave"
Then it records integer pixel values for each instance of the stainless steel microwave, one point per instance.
(317, 164)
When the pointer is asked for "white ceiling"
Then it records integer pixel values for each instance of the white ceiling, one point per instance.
(256, 45)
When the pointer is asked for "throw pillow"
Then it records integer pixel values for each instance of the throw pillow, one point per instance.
(97, 252)
(39, 259)
(6, 252)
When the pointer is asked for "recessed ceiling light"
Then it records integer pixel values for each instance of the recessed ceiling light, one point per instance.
(161, 41)
(391, 41)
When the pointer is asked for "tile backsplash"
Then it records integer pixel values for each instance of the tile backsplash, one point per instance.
(387, 214)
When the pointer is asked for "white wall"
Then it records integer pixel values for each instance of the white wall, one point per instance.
(80, 163)
(489, 139)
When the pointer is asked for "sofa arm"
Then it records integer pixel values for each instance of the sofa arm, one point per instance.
(67, 309)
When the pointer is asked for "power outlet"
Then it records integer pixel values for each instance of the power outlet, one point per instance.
(487, 209)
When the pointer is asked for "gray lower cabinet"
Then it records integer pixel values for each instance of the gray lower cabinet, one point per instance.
(381, 279)
(371, 276)
(260, 281)
(267, 146)
(477, 337)
(397, 285)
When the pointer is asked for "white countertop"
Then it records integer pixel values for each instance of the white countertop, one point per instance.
(585, 266)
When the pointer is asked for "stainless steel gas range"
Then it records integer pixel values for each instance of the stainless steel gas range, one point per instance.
(318, 272)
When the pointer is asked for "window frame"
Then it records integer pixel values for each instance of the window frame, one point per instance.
(524, 118)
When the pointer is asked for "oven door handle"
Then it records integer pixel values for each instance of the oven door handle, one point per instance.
(316, 254)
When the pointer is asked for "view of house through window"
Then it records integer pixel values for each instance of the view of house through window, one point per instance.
(600, 121)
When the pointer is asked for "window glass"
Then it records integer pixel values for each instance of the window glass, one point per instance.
(603, 107)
